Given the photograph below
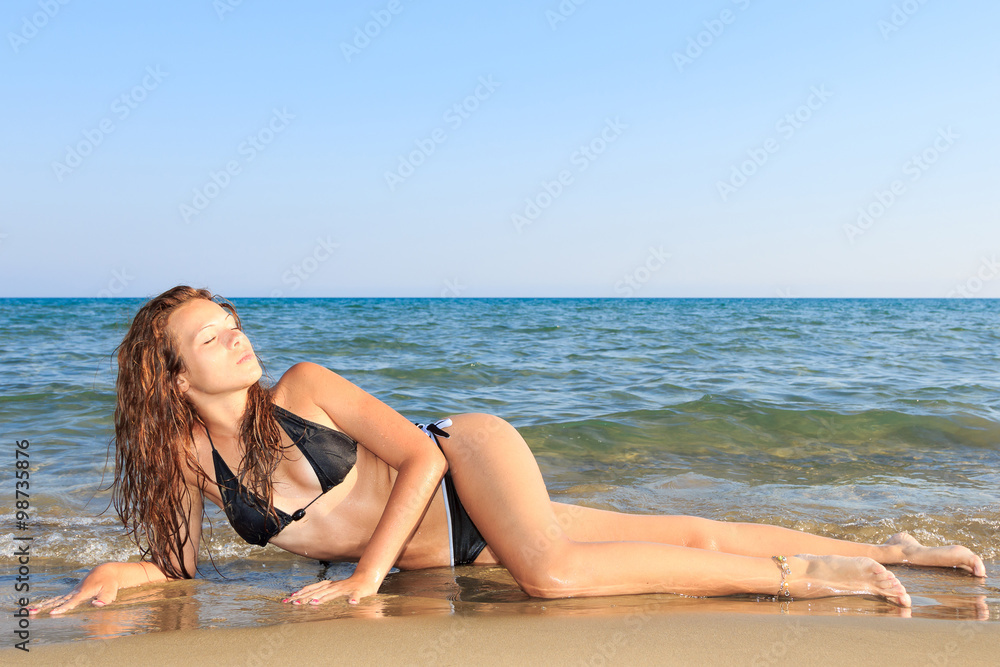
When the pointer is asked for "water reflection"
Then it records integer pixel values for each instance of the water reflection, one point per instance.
(245, 597)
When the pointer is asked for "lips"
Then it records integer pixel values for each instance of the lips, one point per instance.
(246, 357)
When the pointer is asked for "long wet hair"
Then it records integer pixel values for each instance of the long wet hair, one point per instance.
(154, 435)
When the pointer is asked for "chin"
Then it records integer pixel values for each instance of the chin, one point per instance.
(255, 370)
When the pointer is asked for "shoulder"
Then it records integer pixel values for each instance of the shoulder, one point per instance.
(304, 371)
(310, 389)
(304, 378)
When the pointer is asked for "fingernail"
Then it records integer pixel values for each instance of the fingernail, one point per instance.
(286, 599)
(297, 602)
(352, 601)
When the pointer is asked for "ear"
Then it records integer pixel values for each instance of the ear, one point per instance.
(182, 384)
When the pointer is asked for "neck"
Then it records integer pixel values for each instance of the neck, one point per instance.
(222, 413)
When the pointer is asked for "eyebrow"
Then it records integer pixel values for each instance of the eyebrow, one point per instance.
(213, 324)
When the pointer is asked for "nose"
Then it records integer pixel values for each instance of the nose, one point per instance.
(236, 338)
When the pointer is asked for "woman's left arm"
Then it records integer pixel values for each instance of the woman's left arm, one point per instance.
(395, 440)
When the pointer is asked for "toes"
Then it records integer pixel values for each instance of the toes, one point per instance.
(973, 565)
(890, 587)
(888, 579)
(897, 593)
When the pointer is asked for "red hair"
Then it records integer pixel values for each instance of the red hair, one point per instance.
(154, 441)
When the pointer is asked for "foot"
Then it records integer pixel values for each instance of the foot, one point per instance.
(825, 576)
(914, 553)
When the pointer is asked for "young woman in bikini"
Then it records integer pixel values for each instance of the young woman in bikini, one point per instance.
(327, 471)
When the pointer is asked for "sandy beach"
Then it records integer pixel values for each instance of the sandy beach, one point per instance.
(631, 637)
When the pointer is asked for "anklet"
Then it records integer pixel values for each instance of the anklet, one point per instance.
(782, 564)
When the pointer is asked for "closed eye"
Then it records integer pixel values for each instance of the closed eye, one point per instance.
(213, 337)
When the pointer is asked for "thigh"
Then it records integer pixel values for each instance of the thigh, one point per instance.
(501, 487)
(587, 524)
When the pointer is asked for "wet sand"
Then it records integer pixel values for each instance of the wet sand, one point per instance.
(631, 636)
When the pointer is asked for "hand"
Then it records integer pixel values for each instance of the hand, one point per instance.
(101, 584)
(354, 588)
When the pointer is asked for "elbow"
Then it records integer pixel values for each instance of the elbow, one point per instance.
(440, 464)
(431, 463)
(426, 463)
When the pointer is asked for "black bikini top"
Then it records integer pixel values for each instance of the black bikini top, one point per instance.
(331, 454)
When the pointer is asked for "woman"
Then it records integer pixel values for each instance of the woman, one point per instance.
(329, 472)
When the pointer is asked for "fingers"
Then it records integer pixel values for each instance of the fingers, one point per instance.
(48, 603)
(69, 604)
(60, 605)
(320, 591)
(324, 591)
(317, 593)
(65, 603)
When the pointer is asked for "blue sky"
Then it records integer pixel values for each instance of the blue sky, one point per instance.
(650, 149)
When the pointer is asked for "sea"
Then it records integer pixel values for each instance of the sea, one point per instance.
(853, 419)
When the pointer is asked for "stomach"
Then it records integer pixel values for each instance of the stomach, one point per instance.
(340, 528)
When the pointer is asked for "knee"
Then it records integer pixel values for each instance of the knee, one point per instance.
(546, 574)
(548, 583)
(701, 533)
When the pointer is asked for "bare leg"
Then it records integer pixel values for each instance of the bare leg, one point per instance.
(500, 485)
(752, 539)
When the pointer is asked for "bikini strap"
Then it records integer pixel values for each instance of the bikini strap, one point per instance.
(210, 439)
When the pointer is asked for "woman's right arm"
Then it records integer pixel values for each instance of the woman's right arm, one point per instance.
(101, 586)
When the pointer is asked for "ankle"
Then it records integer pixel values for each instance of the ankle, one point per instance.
(785, 572)
(888, 553)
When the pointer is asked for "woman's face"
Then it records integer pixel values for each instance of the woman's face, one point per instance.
(218, 357)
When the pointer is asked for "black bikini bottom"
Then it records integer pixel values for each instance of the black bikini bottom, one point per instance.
(466, 541)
